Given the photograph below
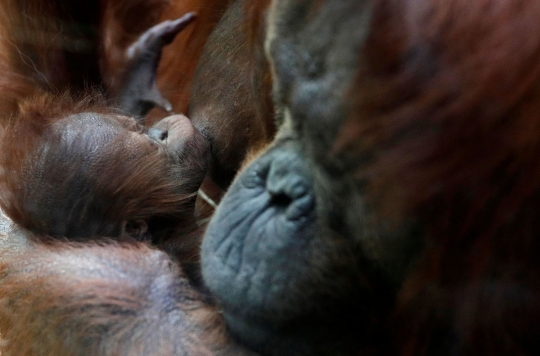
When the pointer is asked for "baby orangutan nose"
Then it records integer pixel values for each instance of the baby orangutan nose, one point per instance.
(181, 139)
(185, 148)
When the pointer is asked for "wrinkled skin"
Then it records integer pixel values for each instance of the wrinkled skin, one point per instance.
(293, 252)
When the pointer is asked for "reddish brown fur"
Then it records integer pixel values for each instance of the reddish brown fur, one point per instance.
(231, 95)
(177, 66)
(122, 23)
(55, 43)
(447, 112)
(101, 299)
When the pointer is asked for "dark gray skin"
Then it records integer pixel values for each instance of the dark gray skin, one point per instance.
(293, 253)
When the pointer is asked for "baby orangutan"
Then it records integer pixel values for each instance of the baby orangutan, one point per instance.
(79, 168)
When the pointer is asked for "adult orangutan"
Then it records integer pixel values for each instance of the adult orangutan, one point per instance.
(396, 212)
